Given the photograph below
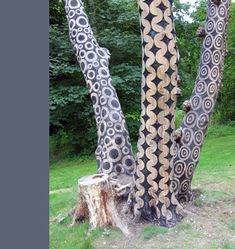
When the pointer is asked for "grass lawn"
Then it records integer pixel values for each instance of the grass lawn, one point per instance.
(211, 226)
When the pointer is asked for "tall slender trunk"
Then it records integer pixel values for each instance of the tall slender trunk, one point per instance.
(114, 153)
(155, 199)
(200, 106)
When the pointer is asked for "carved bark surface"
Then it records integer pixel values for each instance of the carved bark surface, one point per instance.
(200, 106)
(155, 199)
(114, 153)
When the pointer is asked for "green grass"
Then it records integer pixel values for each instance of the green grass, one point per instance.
(217, 157)
(64, 237)
(150, 231)
(62, 200)
(231, 224)
(66, 173)
(184, 225)
(229, 245)
(211, 197)
(216, 168)
(225, 245)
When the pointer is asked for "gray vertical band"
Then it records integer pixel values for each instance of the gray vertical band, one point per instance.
(24, 122)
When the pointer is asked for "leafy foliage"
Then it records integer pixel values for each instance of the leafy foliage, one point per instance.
(116, 27)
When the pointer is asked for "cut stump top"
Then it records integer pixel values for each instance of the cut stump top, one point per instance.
(93, 179)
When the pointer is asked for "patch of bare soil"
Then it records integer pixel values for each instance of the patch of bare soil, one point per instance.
(205, 227)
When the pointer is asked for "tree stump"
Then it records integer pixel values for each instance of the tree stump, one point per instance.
(97, 195)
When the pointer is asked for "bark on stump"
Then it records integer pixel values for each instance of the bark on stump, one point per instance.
(97, 194)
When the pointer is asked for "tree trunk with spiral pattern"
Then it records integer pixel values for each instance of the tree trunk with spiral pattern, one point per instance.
(200, 106)
(114, 153)
(154, 196)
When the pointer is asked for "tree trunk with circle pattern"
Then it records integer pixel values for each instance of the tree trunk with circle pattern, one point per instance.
(155, 199)
(200, 106)
(114, 152)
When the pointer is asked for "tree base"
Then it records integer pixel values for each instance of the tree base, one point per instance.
(187, 197)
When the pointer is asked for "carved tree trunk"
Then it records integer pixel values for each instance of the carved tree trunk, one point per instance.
(114, 153)
(200, 106)
(155, 199)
